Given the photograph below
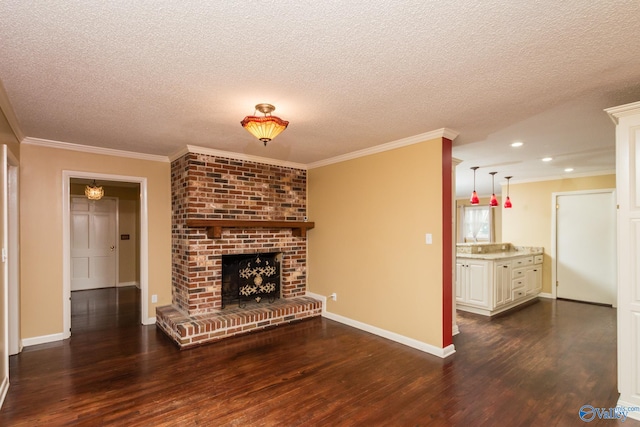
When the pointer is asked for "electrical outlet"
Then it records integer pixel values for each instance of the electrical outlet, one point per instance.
(154, 298)
(334, 296)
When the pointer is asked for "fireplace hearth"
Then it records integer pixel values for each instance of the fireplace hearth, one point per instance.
(221, 208)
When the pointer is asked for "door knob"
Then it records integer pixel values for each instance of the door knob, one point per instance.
(112, 247)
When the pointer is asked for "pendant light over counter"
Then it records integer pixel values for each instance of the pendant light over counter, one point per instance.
(507, 202)
(494, 201)
(475, 200)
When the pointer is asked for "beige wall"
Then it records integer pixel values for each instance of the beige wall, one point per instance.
(128, 223)
(7, 137)
(529, 222)
(129, 261)
(368, 245)
(41, 229)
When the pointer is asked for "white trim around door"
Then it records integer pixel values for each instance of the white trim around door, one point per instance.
(66, 243)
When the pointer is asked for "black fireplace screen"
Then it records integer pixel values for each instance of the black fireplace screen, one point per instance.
(250, 278)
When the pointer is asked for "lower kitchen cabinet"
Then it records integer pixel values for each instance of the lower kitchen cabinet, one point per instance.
(472, 283)
(489, 287)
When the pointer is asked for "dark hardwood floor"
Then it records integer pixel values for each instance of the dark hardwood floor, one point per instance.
(533, 367)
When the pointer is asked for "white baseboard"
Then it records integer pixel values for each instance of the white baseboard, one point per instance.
(123, 284)
(631, 414)
(546, 295)
(4, 388)
(321, 298)
(419, 345)
(456, 330)
(149, 321)
(26, 342)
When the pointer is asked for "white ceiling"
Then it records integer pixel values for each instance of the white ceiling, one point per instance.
(153, 76)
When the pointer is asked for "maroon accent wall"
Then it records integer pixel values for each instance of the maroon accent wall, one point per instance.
(447, 244)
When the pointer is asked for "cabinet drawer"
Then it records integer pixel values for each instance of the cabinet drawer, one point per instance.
(537, 259)
(518, 273)
(522, 262)
(518, 283)
(517, 294)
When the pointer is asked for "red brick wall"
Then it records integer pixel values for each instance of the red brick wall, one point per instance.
(210, 187)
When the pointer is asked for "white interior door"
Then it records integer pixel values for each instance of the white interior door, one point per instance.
(586, 247)
(93, 243)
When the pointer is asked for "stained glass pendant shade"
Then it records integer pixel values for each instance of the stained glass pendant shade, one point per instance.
(267, 127)
(94, 191)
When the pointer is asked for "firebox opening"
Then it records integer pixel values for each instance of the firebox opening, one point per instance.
(250, 278)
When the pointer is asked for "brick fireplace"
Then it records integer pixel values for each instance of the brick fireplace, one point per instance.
(206, 187)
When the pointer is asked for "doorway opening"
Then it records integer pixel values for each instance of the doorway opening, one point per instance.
(140, 252)
(104, 309)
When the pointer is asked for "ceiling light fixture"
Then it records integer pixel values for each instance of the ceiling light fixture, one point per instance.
(267, 127)
(547, 159)
(507, 202)
(494, 201)
(94, 191)
(568, 170)
(474, 196)
(517, 144)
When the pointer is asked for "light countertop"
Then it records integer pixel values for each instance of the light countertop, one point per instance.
(493, 252)
(501, 255)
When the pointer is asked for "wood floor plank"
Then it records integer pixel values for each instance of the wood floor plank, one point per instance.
(535, 366)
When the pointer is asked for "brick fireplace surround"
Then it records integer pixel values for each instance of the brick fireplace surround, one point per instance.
(210, 187)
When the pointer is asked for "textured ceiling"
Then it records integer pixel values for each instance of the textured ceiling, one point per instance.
(154, 76)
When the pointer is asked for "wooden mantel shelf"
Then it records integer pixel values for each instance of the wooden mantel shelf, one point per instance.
(214, 226)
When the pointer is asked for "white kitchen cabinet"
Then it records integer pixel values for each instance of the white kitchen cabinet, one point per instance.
(460, 279)
(502, 279)
(489, 287)
(533, 279)
(472, 283)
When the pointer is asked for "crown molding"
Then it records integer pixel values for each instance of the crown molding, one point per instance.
(93, 150)
(615, 113)
(7, 109)
(236, 156)
(568, 175)
(439, 133)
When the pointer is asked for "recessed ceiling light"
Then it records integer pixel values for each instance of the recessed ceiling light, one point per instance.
(568, 170)
(547, 159)
(517, 144)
